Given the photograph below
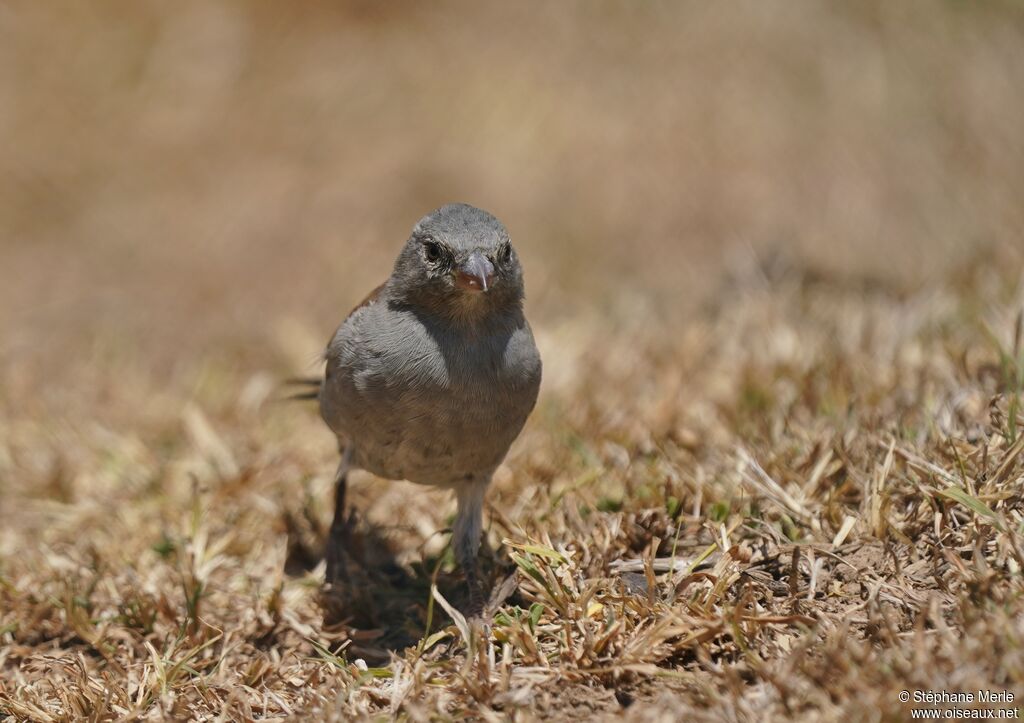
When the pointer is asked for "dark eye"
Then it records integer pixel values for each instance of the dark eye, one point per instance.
(432, 251)
(505, 253)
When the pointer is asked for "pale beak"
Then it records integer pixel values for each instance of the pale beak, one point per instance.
(477, 274)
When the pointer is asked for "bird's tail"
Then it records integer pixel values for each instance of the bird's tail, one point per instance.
(311, 392)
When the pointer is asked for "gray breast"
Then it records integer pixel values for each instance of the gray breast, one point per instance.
(429, 404)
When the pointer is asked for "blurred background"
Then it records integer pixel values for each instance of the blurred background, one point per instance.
(219, 182)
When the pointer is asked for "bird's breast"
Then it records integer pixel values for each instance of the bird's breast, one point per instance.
(430, 405)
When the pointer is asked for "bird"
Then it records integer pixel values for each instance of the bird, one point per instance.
(432, 377)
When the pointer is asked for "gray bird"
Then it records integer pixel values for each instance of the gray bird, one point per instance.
(431, 378)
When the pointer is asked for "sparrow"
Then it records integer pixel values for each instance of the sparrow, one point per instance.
(432, 377)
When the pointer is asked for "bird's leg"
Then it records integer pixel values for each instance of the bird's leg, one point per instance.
(338, 535)
(466, 537)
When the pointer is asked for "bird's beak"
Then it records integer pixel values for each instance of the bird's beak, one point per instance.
(476, 274)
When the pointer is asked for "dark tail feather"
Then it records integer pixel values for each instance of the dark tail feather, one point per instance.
(302, 382)
(302, 396)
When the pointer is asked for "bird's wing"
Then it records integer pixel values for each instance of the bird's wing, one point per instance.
(370, 299)
(313, 383)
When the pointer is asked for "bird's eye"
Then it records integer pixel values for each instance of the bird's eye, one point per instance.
(505, 253)
(432, 251)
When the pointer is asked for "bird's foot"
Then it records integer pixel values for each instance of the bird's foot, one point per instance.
(476, 605)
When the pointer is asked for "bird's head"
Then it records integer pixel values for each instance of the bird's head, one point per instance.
(459, 262)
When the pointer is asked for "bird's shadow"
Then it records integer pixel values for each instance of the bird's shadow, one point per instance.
(384, 606)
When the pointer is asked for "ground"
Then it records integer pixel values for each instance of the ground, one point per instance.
(802, 502)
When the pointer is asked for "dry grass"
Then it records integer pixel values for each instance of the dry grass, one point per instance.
(773, 263)
(806, 501)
